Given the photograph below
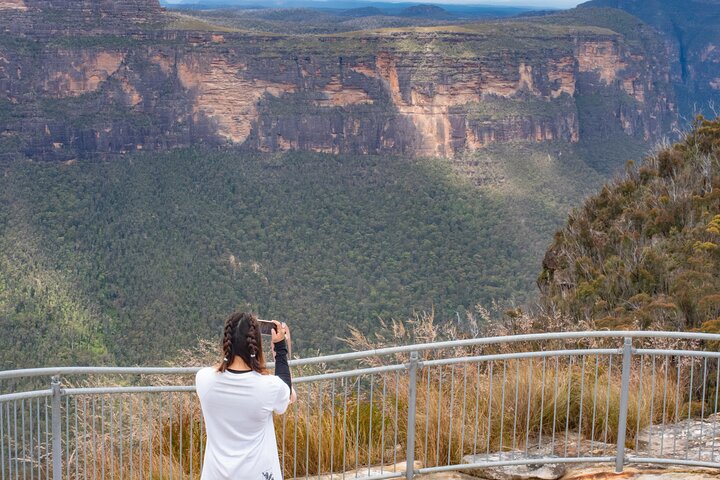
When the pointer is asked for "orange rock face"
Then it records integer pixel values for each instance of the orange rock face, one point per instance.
(256, 92)
(223, 94)
(164, 61)
(12, 5)
(602, 58)
(562, 76)
(133, 96)
(443, 130)
(426, 92)
(82, 75)
(338, 95)
(386, 68)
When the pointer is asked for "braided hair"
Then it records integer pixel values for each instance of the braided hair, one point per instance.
(241, 337)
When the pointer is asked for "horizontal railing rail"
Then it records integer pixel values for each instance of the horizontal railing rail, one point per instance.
(379, 352)
(555, 398)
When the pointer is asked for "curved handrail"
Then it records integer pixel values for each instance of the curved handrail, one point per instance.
(399, 363)
(54, 371)
(420, 347)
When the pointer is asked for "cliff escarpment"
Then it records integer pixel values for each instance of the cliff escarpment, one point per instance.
(690, 28)
(124, 85)
(58, 16)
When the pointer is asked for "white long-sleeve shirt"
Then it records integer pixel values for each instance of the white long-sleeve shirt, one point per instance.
(238, 412)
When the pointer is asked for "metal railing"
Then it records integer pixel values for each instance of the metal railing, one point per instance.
(576, 397)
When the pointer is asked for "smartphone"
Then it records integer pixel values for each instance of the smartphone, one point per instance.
(266, 327)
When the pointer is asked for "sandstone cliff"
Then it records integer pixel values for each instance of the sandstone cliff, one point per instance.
(123, 85)
(100, 12)
(690, 28)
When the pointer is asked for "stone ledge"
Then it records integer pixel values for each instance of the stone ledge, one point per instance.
(570, 472)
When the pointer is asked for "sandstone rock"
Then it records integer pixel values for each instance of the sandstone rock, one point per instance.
(446, 476)
(548, 471)
(366, 472)
(151, 89)
(700, 438)
(12, 5)
(573, 448)
(632, 473)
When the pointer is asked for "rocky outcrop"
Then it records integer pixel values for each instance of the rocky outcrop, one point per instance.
(646, 473)
(696, 435)
(540, 471)
(397, 93)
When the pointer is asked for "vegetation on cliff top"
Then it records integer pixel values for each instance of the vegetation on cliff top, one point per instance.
(618, 21)
(645, 251)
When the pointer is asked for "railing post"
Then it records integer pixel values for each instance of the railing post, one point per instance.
(55, 427)
(412, 392)
(624, 396)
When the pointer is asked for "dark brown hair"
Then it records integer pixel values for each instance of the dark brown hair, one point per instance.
(241, 337)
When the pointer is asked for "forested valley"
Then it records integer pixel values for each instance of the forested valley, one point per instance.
(128, 261)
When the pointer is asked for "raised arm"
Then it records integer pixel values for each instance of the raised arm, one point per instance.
(280, 352)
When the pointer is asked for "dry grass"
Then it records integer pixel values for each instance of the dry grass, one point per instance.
(502, 405)
(461, 411)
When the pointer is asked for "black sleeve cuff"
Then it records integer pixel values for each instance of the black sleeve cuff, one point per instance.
(282, 369)
(281, 345)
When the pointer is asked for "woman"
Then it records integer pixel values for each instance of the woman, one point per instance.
(238, 400)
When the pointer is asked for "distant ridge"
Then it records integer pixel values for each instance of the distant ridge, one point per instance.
(372, 8)
(362, 12)
(425, 11)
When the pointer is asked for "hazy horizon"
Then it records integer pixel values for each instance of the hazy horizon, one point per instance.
(508, 3)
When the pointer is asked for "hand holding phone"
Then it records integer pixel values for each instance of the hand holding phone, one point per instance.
(278, 331)
(267, 327)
